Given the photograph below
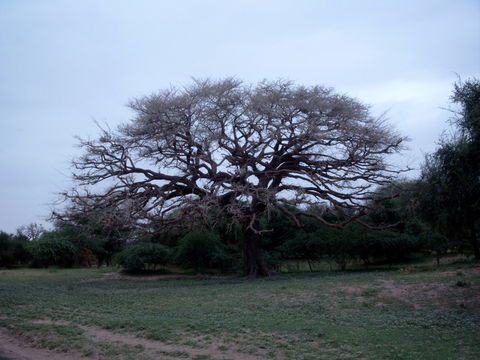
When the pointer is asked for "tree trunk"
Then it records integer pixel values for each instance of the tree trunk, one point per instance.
(255, 265)
(474, 240)
(310, 265)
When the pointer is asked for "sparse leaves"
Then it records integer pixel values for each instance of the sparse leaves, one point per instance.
(239, 150)
(223, 144)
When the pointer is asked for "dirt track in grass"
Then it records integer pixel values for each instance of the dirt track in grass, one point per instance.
(17, 347)
(452, 293)
(20, 348)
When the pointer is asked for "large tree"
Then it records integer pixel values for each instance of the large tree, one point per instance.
(236, 151)
(450, 191)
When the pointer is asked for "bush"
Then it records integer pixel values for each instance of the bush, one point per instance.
(349, 244)
(95, 245)
(12, 250)
(52, 249)
(203, 249)
(138, 256)
(6, 250)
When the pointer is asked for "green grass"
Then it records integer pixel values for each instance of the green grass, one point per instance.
(336, 315)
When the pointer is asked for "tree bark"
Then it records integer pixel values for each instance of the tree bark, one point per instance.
(255, 265)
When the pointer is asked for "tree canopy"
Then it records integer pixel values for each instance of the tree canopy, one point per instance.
(229, 150)
(451, 175)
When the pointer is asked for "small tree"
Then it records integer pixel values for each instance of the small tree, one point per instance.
(13, 250)
(32, 231)
(241, 150)
(52, 249)
(102, 232)
(7, 257)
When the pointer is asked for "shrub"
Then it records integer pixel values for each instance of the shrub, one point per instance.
(6, 250)
(52, 249)
(12, 250)
(138, 256)
(202, 249)
(20, 252)
(351, 243)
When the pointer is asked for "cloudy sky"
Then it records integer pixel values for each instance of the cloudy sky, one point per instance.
(65, 64)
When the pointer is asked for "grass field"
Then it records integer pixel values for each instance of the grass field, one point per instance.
(413, 313)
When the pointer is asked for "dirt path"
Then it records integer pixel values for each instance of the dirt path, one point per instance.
(18, 347)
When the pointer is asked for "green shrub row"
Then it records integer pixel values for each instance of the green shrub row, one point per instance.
(198, 250)
(206, 249)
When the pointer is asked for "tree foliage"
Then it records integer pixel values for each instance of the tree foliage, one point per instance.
(450, 194)
(13, 250)
(52, 249)
(202, 248)
(103, 232)
(137, 257)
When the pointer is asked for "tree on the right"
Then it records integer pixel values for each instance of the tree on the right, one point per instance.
(450, 186)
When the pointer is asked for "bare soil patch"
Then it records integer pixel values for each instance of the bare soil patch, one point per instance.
(441, 295)
(462, 289)
(458, 288)
(19, 347)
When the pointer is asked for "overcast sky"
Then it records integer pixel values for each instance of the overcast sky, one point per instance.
(64, 64)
